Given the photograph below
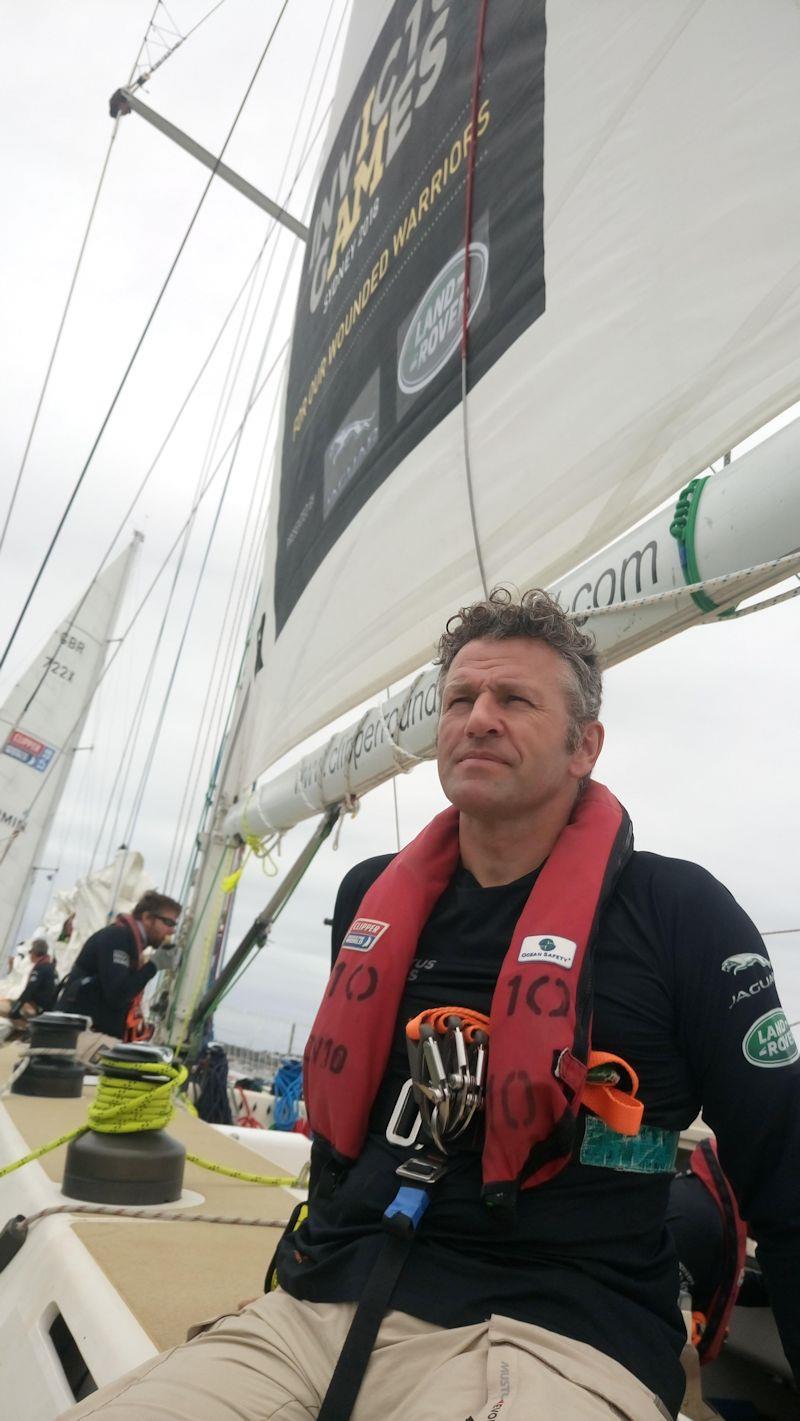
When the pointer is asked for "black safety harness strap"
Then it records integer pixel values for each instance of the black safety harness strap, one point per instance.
(348, 1374)
(400, 1222)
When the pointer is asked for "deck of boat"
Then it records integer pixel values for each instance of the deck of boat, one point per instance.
(137, 1255)
(126, 1287)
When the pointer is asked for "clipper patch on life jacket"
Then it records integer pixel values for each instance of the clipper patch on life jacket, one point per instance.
(363, 934)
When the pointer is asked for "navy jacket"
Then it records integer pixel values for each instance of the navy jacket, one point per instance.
(105, 979)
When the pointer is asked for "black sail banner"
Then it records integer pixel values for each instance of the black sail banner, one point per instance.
(635, 303)
(375, 361)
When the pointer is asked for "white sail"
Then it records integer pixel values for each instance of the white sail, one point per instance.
(634, 304)
(40, 726)
(633, 594)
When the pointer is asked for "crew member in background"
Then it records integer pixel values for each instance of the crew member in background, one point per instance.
(110, 972)
(533, 1274)
(39, 991)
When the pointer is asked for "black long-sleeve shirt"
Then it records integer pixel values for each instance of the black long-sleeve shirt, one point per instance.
(683, 991)
(40, 988)
(105, 978)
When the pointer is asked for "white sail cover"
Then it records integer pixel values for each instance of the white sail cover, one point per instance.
(85, 907)
(634, 304)
(40, 725)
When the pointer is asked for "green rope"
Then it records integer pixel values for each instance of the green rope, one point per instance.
(124, 1107)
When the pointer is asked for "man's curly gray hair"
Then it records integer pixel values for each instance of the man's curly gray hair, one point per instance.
(537, 616)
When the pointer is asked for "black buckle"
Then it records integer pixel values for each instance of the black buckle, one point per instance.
(423, 1169)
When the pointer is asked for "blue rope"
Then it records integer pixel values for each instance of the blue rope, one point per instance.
(288, 1090)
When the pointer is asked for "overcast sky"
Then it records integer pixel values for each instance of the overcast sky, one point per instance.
(701, 732)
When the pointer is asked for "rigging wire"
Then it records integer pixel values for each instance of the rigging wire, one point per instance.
(198, 582)
(142, 337)
(184, 404)
(157, 458)
(180, 39)
(217, 719)
(234, 457)
(68, 835)
(117, 794)
(218, 680)
(9, 839)
(468, 212)
(223, 679)
(67, 304)
(225, 740)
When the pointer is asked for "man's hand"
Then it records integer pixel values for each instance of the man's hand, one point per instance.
(165, 958)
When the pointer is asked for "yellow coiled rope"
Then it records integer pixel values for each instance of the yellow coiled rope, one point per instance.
(124, 1107)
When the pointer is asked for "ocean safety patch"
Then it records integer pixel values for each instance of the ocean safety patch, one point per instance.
(120, 957)
(363, 934)
(558, 950)
(770, 1041)
(652, 1151)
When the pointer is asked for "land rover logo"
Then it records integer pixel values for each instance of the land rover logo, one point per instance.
(770, 1042)
(435, 329)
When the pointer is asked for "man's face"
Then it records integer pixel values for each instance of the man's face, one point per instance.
(502, 745)
(158, 928)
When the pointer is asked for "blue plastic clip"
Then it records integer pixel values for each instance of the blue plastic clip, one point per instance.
(406, 1210)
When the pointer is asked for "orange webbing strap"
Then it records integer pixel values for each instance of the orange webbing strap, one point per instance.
(618, 1108)
(439, 1017)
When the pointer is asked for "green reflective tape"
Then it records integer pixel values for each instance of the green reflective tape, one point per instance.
(652, 1151)
(682, 528)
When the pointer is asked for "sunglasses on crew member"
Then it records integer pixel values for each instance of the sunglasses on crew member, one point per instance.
(170, 922)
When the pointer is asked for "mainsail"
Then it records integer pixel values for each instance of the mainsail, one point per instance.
(40, 726)
(633, 302)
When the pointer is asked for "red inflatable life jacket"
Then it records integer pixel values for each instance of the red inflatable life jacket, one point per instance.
(541, 1009)
(136, 1027)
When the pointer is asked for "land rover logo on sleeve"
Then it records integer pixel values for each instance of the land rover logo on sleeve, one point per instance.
(435, 330)
(770, 1042)
(363, 934)
(558, 950)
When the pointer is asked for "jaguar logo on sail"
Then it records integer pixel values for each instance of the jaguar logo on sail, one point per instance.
(435, 330)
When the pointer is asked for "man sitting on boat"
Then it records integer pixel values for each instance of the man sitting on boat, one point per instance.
(110, 972)
(510, 1254)
(39, 991)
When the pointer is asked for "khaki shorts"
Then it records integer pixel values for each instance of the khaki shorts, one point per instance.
(273, 1361)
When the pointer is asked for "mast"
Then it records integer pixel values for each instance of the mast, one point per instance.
(41, 723)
